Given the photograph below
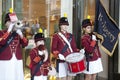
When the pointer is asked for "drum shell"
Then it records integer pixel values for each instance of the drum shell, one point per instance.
(76, 62)
(77, 67)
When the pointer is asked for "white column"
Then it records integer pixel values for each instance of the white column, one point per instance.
(47, 31)
(12, 4)
(67, 7)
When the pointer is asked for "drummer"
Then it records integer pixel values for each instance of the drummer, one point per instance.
(59, 41)
(93, 56)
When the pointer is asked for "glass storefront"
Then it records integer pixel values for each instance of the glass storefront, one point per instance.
(45, 14)
(89, 9)
(36, 15)
(42, 12)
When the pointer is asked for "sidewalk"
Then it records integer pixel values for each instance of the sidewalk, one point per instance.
(78, 77)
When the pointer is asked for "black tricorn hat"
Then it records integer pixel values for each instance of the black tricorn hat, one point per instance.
(86, 22)
(7, 18)
(63, 21)
(38, 37)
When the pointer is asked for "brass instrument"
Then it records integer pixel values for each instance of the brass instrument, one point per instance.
(18, 24)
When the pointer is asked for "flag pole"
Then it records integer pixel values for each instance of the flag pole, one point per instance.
(12, 4)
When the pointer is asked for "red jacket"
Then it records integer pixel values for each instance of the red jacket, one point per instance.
(58, 43)
(43, 68)
(94, 51)
(14, 47)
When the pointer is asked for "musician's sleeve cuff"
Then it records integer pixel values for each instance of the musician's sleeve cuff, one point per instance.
(55, 53)
(24, 40)
(5, 35)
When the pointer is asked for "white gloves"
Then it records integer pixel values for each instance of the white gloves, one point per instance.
(82, 51)
(61, 57)
(94, 38)
(19, 32)
(40, 53)
(44, 52)
(10, 28)
(46, 55)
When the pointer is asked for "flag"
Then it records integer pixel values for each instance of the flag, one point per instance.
(106, 28)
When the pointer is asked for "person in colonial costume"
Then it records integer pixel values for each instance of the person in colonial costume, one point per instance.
(59, 40)
(39, 55)
(92, 53)
(11, 43)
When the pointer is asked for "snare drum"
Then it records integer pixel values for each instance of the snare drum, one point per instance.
(76, 62)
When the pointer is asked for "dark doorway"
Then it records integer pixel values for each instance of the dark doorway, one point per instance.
(78, 11)
(113, 61)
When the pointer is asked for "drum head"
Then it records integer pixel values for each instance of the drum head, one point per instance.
(74, 57)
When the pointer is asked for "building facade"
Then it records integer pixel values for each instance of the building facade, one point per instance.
(46, 13)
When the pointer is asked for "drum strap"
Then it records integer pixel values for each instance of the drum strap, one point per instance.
(88, 56)
(87, 60)
(36, 69)
(63, 50)
(67, 41)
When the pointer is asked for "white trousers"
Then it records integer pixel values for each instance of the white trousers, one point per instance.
(11, 69)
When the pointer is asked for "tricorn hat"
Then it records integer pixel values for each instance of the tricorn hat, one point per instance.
(63, 21)
(38, 37)
(86, 22)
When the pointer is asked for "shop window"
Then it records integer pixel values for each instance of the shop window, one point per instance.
(35, 14)
(89, 11)
(44, 12)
